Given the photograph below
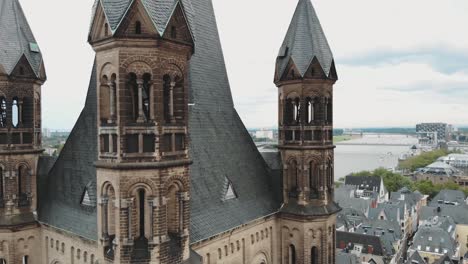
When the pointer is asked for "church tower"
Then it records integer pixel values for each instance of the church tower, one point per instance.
(21, 77)
(305, 75)
(142, 53)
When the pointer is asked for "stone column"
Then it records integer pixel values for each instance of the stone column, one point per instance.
(140, 118)
(20, 112)
(171, 102)
(112, 106)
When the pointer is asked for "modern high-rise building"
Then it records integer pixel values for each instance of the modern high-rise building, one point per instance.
(159, 167)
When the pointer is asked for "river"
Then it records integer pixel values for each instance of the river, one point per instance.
(370, 152)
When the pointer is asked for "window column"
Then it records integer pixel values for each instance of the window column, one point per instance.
(20, 112)
(112, 99)
(171, 102)
(140, 118)
(104, 215)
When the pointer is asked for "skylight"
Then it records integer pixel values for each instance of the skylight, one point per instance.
(34, 47)
(229, 192)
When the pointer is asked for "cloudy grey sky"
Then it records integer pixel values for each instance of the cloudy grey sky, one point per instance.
(400, 62)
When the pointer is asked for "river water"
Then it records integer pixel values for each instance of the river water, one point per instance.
(354, 158)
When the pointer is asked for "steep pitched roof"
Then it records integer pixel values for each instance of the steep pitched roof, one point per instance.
(366, 182)
(17, 39)
(304, 41)
(415, 259)
(220, 147)
(160, 11)
(373, 243)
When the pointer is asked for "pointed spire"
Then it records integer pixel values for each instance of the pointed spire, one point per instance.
(17, 39)
(304, 41)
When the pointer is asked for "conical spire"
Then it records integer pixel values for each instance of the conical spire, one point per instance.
(305, 41)
(17, 39)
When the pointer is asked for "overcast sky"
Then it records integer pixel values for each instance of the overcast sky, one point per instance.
(399, 62)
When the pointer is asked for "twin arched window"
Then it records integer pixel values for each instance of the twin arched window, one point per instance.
(293, 177)
(314, 256)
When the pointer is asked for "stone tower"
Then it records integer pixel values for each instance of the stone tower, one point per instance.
(305, 75)
(21, 77)
(142, 52)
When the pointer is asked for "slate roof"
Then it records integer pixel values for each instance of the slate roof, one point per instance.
(436, 237)
(61, 189)
(458, 213)
(16, 39)
(220, 147)
(350, 239)
(160, 11)
(304, 41)
(444, 260)
(415, 259)
(449, 198)
(394, 211)
(347, 258)
(366, 182)
(344, 196)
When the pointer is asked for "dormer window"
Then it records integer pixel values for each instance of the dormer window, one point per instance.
(138, 28)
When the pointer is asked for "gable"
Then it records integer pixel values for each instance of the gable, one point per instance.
(136, 22)
(291, 72)
(315, 70)
(178, 27)
(100, 27)
(23, 69)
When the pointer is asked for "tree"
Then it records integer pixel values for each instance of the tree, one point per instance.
(422, 160)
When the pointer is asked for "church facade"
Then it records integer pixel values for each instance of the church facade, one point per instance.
(159, 167)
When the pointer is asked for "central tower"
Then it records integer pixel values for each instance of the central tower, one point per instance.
(142, 54)
(305, 75)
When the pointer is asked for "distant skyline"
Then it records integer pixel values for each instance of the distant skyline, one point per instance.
(399, 62)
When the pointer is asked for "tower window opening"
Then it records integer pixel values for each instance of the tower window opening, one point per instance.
(25, 259)
(316, 108)
(146, 95)
(313, 180)
(15, 112)
(3, 112)
(330, 110)
(133, 93)
(21, 70)
(106, 30)
(1, 188)
(23, 185)
(166, 98)
(138, 28)
(293, 177)
(141, 215)
(290, 113)
(314, 256)
(297, 111)
(310, 111)
(292, 254)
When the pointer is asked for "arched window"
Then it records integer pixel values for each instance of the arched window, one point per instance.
(309, 110)
(292, 254)
(27, 111)
(25, 259)
(316, 107)
(3, 112)
(141, 213)
(297, 111)
(330, 259)
(2, 261)
(1, 187)
(146, 95)
(15, 112)
(174, 210)
(289, 115)
(108, 220)
(133, 92)
(314, 257)
(72, 255)
(138, 27)
(166, 98)
(106, 30)
(330, 179)
(104, 100)
(293, 176)
(179, 99)
(330, 110)
(24, 186)
(313, 179)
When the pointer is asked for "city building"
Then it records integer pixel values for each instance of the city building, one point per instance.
(436, 238)
(415, 258)
(413, 201)
(135, 183)
(368, 248)
(438, 172)
(432, 133)
(367, 187)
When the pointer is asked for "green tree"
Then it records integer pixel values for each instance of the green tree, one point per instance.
(422, 160)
